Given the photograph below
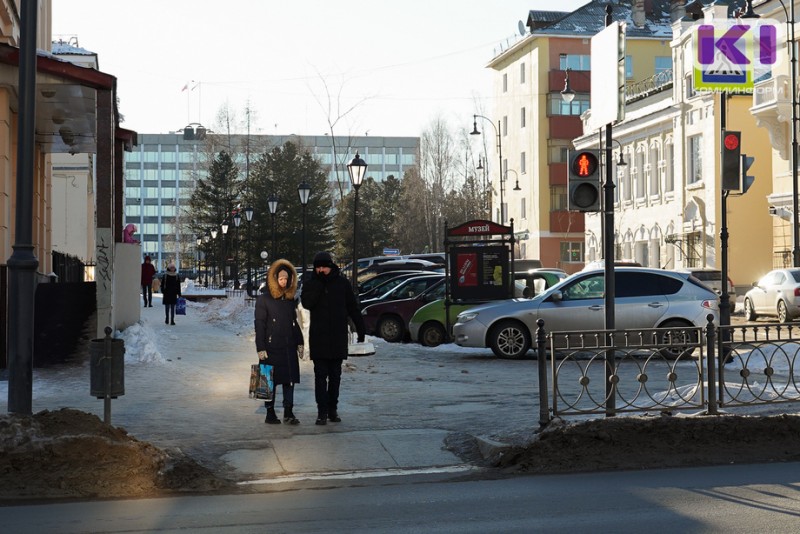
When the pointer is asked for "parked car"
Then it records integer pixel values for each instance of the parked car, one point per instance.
(713, 279)
(427, 325)
(389, 319)
(408, 288)
(645, 298)
(371, 283)
(777, 294)
(399, 265)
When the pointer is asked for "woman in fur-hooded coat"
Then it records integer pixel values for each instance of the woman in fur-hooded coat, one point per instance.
(278, 334)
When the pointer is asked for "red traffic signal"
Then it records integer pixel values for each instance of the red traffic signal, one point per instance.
(584, 164)
(731, 161)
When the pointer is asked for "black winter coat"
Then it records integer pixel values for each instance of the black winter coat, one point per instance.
(170, 288)
(277, 331)
(330, 300)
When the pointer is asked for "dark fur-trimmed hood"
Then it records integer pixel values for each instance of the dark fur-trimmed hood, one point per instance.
(272, 280)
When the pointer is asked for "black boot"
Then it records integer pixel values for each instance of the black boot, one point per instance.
(272, 417)
(333, 416)
(288, 416)
(322, 419)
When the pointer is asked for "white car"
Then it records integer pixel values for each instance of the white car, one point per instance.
(645, 298)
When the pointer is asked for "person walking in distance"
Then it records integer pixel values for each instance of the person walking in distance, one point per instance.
(170, 291)
(330, 300)
(148, 272)
(278, 336)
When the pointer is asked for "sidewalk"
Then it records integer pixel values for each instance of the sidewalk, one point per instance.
(187, 389)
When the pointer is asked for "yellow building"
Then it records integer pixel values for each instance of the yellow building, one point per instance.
(536, 126)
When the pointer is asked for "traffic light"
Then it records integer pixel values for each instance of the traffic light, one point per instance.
(584, 181)
(747, 181)
(731, 160)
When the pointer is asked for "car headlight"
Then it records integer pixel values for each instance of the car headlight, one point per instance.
(466, 317)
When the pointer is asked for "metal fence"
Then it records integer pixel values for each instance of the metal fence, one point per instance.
(667, 369)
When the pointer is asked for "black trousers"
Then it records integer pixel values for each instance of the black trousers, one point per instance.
(147, 293)
(288, 396)
(327, 377)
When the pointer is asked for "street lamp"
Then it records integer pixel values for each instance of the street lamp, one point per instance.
(475, 131)
(357, 168)
(304, 190)
(224, 254)
(264, 256)
(214, 260)
(237, 220)
(248, 215)
(272, 203)
(199, 242)
(516, 184)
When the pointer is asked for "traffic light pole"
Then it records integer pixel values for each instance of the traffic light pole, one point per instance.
(608, 255)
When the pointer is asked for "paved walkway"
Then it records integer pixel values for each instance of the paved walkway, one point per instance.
(197, 401)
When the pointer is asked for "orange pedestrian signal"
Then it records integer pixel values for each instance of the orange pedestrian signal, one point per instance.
(584, 164)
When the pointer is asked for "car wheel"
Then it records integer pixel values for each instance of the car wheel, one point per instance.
(510, 339)
(391, 329)
(684, 332)
(431, 335)
(783, 313)
(749, 312)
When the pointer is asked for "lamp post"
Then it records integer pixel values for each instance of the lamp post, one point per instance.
(224, 254)
(264, 257)
(303, 190)
(475, 131)
(516, 176)
(237, 220)
(214, 261)
(357, 168)
(272, 203)
(199, 242)
(486, 204)
(248, 215)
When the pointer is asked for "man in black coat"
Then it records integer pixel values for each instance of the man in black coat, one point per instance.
(330, 300)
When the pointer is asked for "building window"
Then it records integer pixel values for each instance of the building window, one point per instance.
(522, 213)
(522, 73)
(557, 106)
(669, 168)
(641, 188)
(626, 183)
(522, 165)
(654, 173)
(505, 82)
(557, 154)
(663, 64)
(628, 67)
(572, 252)
(558, 197)
(574, 62)
(522, 117)
(505, 125)
(695, 170)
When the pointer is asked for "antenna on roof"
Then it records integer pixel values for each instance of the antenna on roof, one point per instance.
(521, 27)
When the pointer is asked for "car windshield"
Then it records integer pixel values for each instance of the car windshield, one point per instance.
(796, 276)
(708, 276)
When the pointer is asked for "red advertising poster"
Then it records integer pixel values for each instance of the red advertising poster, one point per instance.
(467, 265)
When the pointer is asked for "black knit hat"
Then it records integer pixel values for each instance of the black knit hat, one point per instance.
(323, 259)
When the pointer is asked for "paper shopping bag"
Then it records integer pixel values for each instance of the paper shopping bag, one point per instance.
(261, 384)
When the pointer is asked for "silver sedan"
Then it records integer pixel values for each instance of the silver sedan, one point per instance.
(777, 294)
(645, 298)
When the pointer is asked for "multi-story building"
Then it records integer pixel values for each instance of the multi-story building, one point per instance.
(536, 126)
(161, 173)
(668, 195)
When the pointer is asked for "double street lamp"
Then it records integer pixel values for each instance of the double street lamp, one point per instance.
(357, 168)
(475, 131)
(303, 190)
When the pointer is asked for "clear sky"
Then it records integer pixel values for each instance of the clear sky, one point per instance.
(396, 64)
